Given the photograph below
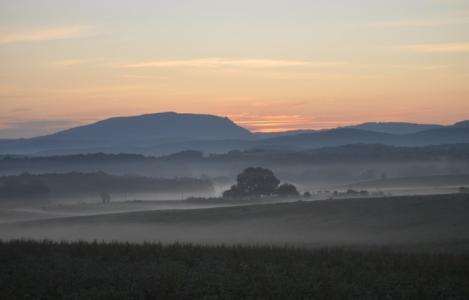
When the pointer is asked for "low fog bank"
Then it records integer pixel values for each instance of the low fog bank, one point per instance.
(438, 221)
(135, 198)
(92, 207)
(210, 180)
(313, 169)
(315, 174)
(30, 189)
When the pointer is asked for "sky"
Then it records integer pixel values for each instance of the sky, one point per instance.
(269, 65)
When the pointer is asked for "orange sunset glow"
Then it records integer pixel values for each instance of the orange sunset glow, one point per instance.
(312, 65)
(234, 149)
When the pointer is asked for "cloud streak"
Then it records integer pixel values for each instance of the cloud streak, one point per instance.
(435, 48)
(271, 123)
(286, 122)
(226, 62)
(419, 23)
(15, 36)
(219, 63)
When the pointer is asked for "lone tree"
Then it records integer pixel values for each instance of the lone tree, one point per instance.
(258, 182)
(253, 182)
(287, 190)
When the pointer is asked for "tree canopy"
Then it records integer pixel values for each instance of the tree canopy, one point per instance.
(259, 182)
(287, 190)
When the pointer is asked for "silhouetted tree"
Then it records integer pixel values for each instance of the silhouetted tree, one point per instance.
(258, 182)
(253, 182)
(287, 190)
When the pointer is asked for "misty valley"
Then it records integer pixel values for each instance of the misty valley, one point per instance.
(227, 208)
(234, 150)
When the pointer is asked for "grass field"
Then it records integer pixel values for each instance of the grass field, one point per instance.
(49, 270)
(435, 223)
(410, 247)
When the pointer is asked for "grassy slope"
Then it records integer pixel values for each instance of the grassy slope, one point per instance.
(10, 215)
(440, 221)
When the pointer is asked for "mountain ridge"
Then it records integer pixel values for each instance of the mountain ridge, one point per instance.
(161, 125)
(395, 127)
(170, 132)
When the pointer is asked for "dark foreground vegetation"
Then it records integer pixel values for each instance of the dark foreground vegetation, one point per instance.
(49, 270)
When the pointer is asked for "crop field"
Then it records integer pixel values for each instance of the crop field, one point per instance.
(82, 270)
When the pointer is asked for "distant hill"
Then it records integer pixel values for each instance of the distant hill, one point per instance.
(170, 132)
(463, 124)
(168, 125)
(395, 127)
(131, 134)
(344, 136)
(333, 137)
(384, 127)
(188, 163)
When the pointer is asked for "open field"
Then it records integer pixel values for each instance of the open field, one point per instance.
(46, 270)
(436, 223)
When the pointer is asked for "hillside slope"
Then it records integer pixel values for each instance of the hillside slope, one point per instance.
(437, 221)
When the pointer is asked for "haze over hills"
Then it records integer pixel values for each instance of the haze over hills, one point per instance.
(169, 132)
(395, 127)
(344, 136)
(385, 127)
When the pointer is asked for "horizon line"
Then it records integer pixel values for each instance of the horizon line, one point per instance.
(53, 126)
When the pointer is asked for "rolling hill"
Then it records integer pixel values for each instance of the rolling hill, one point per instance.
(395, 127)
(165, 133)
(344, 136)
(168, 125)
(131, 134)
(409, 222)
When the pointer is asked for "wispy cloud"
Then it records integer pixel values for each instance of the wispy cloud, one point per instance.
(402, 66)
(285, 122)
(219, 63)
(226, 62)
(270, 123)
(419, 23)
(435, 48)
(13, 36)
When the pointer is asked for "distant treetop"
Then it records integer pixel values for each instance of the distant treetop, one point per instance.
(259, 182)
